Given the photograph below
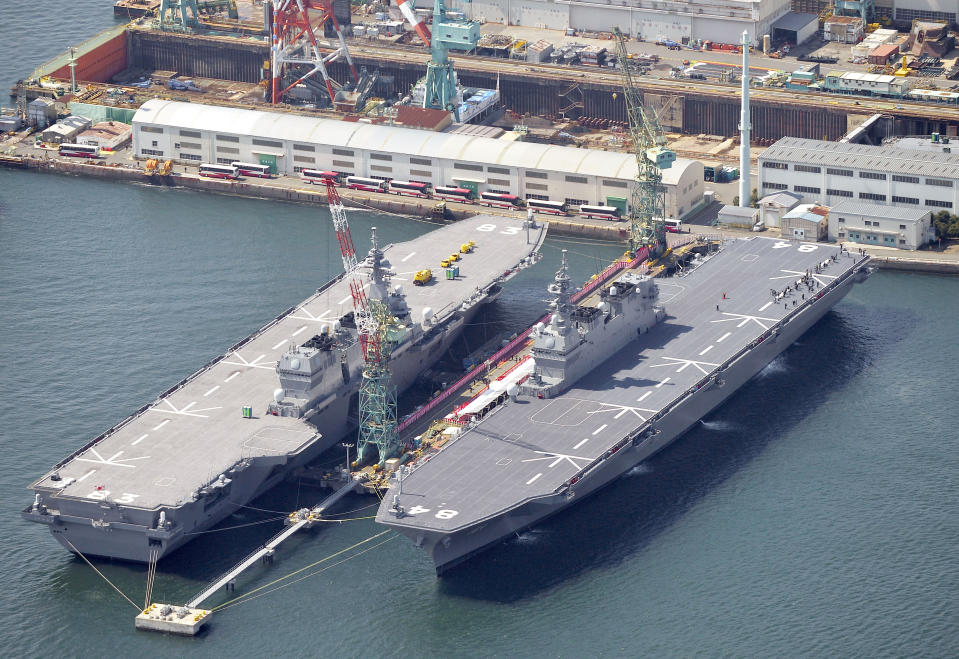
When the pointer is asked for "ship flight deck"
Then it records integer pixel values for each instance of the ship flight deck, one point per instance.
(529, 450)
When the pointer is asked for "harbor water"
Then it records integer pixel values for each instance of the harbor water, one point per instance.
(812, 515)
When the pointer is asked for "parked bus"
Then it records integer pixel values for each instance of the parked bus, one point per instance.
(368, 184)
(674, 226)
(410, 188)
(500, 200)
(552, 207)
(453, 194)
(249, 169)
(320, 178)
(80, 150)
(219, 171)
(601, 212)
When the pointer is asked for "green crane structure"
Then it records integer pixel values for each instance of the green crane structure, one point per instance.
(648, 196)
(379, 332)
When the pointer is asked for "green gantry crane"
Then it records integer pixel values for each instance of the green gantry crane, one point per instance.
(647, 207)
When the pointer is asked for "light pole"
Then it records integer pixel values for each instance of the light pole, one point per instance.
(347, 446)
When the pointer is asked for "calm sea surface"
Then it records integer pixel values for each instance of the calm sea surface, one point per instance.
(812, 515)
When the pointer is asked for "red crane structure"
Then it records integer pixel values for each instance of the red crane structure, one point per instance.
(378, 332)
(295, 43)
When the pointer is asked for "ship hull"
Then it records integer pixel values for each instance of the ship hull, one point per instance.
(126, 534)
(450, 549)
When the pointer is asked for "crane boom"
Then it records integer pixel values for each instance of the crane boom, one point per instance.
(648, 197)
(378, 331)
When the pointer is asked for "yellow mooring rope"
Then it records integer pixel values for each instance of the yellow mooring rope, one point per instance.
(244, 596)
(102, 575)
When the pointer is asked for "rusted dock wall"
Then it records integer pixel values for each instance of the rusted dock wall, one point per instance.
(191, 55)
(694, 113)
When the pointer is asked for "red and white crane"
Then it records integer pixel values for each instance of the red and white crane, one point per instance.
(366, 324)
(295, 43)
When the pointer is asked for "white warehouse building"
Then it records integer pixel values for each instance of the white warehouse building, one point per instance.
(831, 172)
(194, 133)
(717, 20)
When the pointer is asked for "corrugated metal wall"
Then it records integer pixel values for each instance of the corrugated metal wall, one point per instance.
(197, 57)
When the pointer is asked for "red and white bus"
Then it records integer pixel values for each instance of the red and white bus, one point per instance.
(368, 184)
(500, 200)
(320, 178)
(80, 150)
(410, 188)
(674, 226)
(453, 194)
(547, 206)
(219, 171)
(601, 212)
(249, 169)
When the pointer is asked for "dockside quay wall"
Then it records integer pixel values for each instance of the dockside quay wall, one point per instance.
(264, 190)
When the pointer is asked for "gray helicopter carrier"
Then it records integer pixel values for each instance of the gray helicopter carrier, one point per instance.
(614, 380)
(274, 401)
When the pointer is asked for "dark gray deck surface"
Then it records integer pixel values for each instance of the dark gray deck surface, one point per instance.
(531, 447)
(186, 439)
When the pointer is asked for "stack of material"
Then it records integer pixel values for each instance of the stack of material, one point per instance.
(592, 55)
(883, 53)
(539, 51)
(844, 29)
(929, 39)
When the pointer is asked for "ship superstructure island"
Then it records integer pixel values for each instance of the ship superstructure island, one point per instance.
(274, 401)
(611, 381)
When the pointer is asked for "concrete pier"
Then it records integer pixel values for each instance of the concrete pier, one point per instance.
(170, 619)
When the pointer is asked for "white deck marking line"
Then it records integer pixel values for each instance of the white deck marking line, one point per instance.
(533, 479)
(644, 396)
(600, 429)
(663, 382)
(581, 443)
(111, 461)
(624, 411)
(724, 337)
(706, 350)
(683, 364)
(278, 345)
(299, 331)
(310, 316)
(161, 424)
(139, 439)
(407, 257)
(232, 376)
(254, 364)
(765, 306)
(211, 391)
(743, 319)
(88, 474)
(345, 300)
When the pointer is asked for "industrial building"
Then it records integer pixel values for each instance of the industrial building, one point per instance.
(773, 207)
(717, 20)
(195, 133)
(888, 226)
(805, 222)
(65, 130)
(832, 172)
(106, 134)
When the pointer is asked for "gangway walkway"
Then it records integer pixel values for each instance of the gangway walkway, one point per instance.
(305, 520)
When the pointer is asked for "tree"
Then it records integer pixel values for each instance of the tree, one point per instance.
(754, 199)
(736, 200)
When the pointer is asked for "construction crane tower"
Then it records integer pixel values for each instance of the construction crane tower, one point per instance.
(441, 87)
(294, 44)
(648, 196)
(379, 332)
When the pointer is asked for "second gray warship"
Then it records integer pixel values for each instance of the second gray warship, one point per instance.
(613, 380)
